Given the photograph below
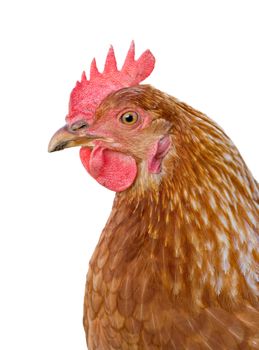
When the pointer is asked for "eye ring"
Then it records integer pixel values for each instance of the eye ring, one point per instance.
(129, 118)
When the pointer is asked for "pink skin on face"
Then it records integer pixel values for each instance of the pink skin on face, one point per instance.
(115, 169)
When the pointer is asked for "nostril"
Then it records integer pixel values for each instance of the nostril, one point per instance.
(80, 124)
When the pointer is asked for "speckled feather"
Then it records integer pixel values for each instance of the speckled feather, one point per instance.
(177, 264)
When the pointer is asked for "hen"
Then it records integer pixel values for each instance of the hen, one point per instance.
(177, 264)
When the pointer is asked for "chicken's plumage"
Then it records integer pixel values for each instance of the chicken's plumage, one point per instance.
(177, 264)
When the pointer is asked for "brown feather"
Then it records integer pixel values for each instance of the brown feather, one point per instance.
(177, 265)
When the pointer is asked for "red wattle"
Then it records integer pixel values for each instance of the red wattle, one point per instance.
(114, 170)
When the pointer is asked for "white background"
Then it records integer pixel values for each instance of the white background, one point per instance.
(52, 212)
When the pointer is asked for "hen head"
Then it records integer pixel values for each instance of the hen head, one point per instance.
(118, 123)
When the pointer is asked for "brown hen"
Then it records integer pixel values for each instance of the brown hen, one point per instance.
(177, 264)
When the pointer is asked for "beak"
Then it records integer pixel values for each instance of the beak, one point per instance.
(64, 138)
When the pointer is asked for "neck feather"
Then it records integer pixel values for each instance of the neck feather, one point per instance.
(197, 225)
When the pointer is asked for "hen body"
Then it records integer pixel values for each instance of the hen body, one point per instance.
(177, 264)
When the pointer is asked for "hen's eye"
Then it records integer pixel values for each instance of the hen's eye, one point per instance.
(129, 118)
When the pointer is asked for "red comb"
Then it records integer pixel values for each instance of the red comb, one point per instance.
(88, 94)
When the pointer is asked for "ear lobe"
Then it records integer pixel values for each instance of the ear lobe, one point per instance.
(157, 154)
